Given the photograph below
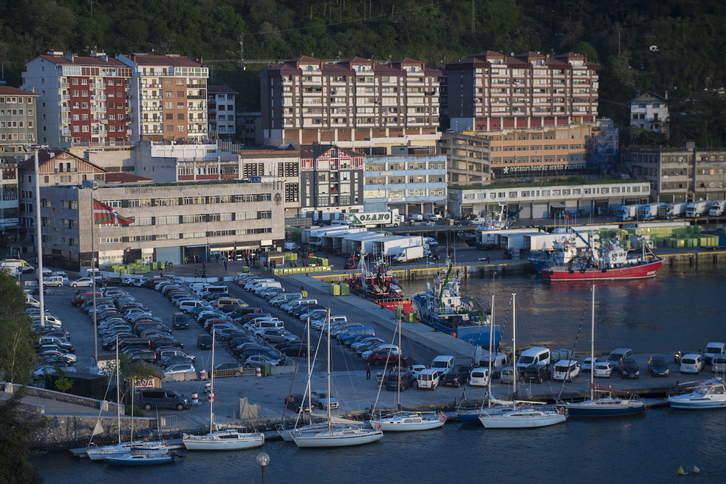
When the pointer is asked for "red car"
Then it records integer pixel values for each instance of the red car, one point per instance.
(378, 358)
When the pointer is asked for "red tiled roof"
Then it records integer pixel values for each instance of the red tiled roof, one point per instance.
(118, 177)
(9, 90)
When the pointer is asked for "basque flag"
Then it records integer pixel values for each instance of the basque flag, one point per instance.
(103, 214)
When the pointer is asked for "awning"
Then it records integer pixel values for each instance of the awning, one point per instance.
(194, 246)
(557, 205)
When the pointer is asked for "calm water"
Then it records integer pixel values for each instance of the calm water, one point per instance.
(682, 309)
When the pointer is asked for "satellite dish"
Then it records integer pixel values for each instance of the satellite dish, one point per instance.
(653, 48)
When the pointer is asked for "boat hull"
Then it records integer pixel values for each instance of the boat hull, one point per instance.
(696, 404)
(224, 441)
(521, 419)
(336, 438)
(408, 423)
(99, 453)
(610, 408)
(138, 459)
(641, 271)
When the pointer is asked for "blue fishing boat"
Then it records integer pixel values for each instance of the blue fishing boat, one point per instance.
(442, 307)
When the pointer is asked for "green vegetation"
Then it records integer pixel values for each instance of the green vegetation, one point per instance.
(17, 356)
(669, 46)
(17, 428)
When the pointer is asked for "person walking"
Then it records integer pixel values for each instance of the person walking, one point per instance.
(368, 371)
(225, 264)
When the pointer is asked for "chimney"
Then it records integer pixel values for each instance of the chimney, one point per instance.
(70, 56)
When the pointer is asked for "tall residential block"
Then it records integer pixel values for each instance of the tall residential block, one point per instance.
(81, 99)
(491, 91)
(306, 100)
(168, 94)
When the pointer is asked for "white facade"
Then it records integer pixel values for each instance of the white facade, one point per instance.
(649, 112)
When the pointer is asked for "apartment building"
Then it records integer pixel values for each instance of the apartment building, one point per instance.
(18, 127)
(412, 181)
(468, 158)
(168, 94)
(490, 91)
(679, 175)
(9, 214)
(649, 112)
(221, 112)
(172, 221)
(81, 100)
(331, 180)
(306, 101)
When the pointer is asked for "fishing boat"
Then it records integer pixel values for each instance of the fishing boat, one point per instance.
(331, 434)
(523, 414)
(606, 261)
(705, 395)
(442, 307)
(607, 405)
(140, 457)
(224, 439)
(405, 421)
(378, 285)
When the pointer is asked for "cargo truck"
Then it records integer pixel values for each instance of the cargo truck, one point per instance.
(626, 213)
(698, 209)
(409, 254)
(717, 208)
(390, 246)
(374, 219)
(648, 211)
(672, 210)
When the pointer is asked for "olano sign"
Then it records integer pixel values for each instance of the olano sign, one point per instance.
(375, 218)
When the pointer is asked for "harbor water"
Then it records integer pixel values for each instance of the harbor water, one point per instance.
(682, 309)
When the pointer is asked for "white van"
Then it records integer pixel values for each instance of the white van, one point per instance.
(263, 286)
(443, 363)
(297, 302)
(261, 326)
(428, 378)
(479, 377)
(217, 290)
(284, 297)
(533, 356)
(188, 305)
(718, 364)
(54, 281)
(713, 349)
(255, 282)
(566, 370)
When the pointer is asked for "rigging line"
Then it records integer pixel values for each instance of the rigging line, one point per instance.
(577, 337)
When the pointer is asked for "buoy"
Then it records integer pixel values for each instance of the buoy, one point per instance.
(681, 472)
(696, 470)
(210, 397)
(258, 371)
(195, 398)
(442, 418)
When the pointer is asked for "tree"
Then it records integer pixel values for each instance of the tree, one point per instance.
(16, 428)
(17, 356)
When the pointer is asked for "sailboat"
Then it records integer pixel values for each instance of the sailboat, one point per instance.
(99, 453)
(226, 439)
(334, 435)
(608, 405)
(523, 414)
(403, 421)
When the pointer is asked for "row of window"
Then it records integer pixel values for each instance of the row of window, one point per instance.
(553, 192)
(188, 235)
(16, 100)
(197, 200)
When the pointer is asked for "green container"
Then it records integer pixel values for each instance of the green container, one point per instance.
(344, 289)
(266, 369)
(334, 289)
(398, 311)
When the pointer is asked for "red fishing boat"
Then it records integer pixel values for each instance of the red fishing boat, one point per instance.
(378, 285)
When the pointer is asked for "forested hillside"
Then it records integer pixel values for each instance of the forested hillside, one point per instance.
(663, 46)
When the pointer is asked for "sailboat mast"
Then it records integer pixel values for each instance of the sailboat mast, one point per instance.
(491, 347)
(330, 427)
(118, 392)
(514, 345)
(310, 374)
(211, 389)
(400, 368)
(592, 347)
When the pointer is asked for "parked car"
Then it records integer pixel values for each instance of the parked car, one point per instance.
(604, 369)
(457, 377)
(82, 282)
(658, 366)
(180, 321)
(204, 342)
(324, 400)
(180, 368)
(537, 373)
(586, 366)
(293, 348)
(277, 336)
(416, 369)
(260, 360)
(692, 363)
(297, 403)
(629, 368)
(399, 378)
(393, 357)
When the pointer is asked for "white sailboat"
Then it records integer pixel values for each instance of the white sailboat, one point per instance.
(334, 435)
(524, 414)
(226, 439)
(99, 453)
(403, 421)
(608, 405)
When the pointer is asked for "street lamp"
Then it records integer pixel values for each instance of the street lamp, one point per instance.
(262, 460)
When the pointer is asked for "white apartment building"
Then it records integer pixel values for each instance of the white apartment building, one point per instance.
(221, 112)
(649, 111)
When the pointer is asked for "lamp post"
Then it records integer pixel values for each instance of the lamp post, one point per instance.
(262, 460)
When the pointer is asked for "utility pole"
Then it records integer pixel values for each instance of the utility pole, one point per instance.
(242, 51)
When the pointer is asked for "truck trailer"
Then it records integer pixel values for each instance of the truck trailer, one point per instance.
(672, 210)
(626, 213)
(409, 254)
(649, 211)
(718, 208)
(698, 209)
(374, 219)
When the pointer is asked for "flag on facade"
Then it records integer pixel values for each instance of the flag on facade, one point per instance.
(103, 214)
